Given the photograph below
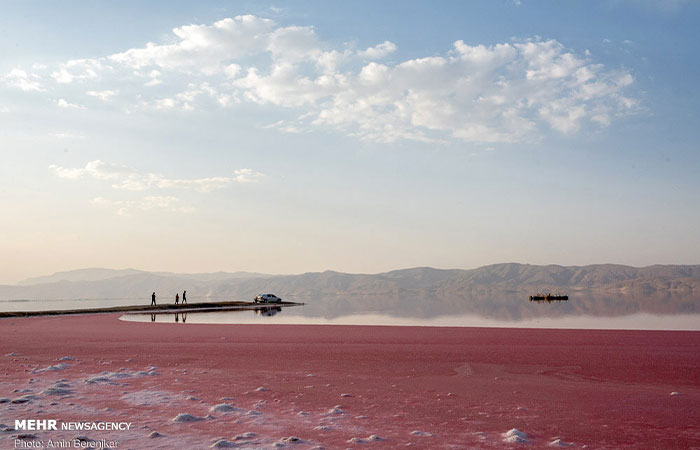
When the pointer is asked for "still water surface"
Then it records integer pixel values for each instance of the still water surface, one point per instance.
(511, 312)
(305, 316)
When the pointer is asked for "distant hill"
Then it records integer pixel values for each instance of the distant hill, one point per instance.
(495, 290)
(92, 274)
(96, 274)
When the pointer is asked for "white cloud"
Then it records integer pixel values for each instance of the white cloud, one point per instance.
(22, 80)
(125, 178)
(507, 92)
(378, 51)
(202, 47)
(78, 70)
(67, 135)
(62, 103)
(149, 203)
(247, 176)
(105, 95)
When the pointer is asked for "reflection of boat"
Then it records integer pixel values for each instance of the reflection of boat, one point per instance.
(548, 297)
(268, 311)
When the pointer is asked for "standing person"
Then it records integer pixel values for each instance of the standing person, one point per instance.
(184, 298)
(177, 298)
(153, 299)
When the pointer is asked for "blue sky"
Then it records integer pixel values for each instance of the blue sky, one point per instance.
(351, 136)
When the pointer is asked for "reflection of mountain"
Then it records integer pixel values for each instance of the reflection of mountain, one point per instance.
(499, 290)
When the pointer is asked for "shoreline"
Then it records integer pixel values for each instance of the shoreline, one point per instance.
(150, 309)
(335, 387)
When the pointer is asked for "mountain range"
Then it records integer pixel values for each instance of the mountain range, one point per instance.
(494, 290)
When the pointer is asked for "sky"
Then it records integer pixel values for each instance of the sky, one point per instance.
(353, 136)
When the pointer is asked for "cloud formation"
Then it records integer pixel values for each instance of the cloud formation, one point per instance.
(125, 178)
(507, 92)
(148, 203)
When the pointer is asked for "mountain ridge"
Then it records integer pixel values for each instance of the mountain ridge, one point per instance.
(498, 290)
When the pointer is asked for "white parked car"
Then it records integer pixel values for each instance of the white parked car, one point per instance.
(267, 298)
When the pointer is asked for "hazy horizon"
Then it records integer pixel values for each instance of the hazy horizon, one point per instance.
(355, 137)
(85, 269)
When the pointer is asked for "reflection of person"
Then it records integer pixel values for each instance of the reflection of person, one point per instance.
(177, 317)
(177, 298)
(153, 317)
(153, 299)
(184, 298)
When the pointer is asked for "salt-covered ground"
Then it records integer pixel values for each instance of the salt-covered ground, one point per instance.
(297, 386)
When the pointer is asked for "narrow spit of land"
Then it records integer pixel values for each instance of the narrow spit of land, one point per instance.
(188, 307)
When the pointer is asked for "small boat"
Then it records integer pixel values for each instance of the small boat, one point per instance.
(548, 297)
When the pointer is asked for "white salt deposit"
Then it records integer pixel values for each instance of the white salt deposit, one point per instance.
(323, 428)
(421, 433)
(675, 393)
(224, 408)
(185, 417)
(56, 391)
(337, 409)
(346, 395)
(253, 412)
(559, 443)
(111, 377)
(290, 440)
(27, 436)
(65, 358)
(372, 438)
(150, 397)
(61, 366)
(155, 434)
(261, 389)
(12, 354)
(244, 436)
(24, 399)
(515, 436)
(223, 443)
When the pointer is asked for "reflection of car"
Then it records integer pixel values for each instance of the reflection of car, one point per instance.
(267, 298)
(268, 310)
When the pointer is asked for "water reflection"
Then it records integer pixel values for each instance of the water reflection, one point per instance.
(308, 315)
(268, 311)
(177, 317)
(203, 316)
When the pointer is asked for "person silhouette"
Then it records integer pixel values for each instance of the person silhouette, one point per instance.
(153, 299)
(177, 298)
(184, 298)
